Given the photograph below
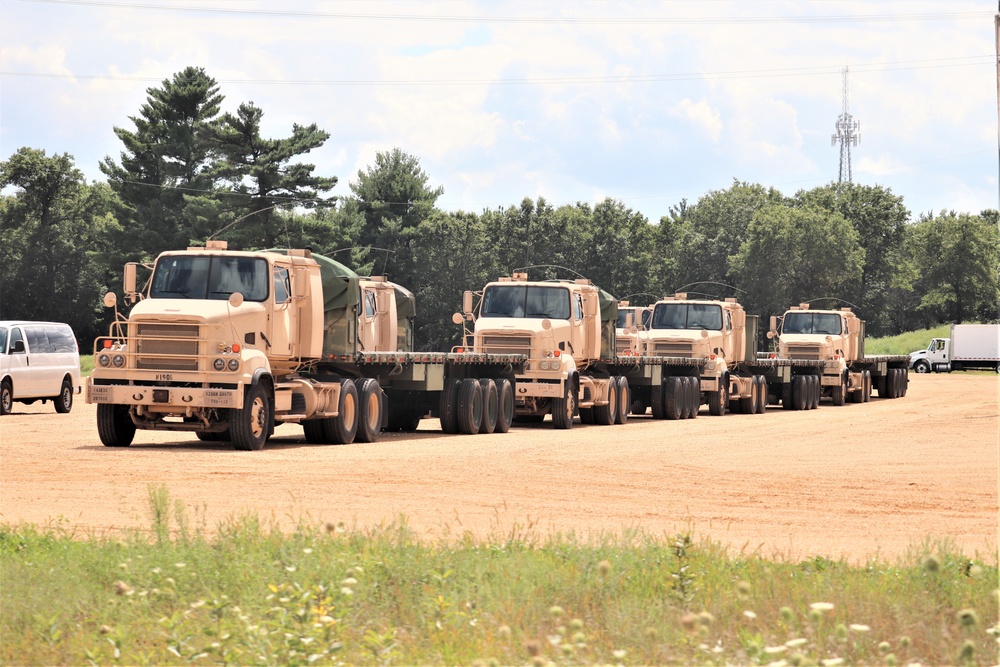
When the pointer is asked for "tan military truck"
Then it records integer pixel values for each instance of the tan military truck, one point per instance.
(828, 348)
(567, 330)
(225, 344)
(632, 322)
(724, 337)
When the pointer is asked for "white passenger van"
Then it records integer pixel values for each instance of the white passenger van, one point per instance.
(38, 361)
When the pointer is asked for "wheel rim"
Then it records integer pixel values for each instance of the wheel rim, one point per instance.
(347, 414)
(373, 412)
(258, 415)
(921, 368)
(7, 400)
(67, 395)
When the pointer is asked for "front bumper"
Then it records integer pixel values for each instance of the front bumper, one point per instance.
(165, 398)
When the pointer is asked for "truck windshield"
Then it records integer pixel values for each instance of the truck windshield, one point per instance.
(640, 318)
(210, 277)
(526, 301)
(687, 316)
(811, 323)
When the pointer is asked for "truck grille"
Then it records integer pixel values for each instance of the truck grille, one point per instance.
(673, 349)
(166, 347)
(507, 344)
(803, 352)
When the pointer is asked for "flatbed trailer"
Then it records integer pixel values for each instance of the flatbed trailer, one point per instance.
(789, 380)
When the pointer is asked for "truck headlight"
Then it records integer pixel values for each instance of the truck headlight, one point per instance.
(554, 365)
(104, 360)
(118, 360)
(234, 364)
(219, 364)
(544, 365)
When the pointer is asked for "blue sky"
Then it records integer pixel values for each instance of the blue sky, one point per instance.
(648, 101)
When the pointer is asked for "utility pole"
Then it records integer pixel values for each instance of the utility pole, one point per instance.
(849, 132)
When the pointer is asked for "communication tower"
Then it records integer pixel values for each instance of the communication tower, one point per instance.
(848, 134)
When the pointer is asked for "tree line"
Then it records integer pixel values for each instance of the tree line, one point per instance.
(188, 172)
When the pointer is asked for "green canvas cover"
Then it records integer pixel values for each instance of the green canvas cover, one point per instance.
(609, 317)
(341, 296)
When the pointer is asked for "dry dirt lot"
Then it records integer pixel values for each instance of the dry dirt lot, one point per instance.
(853, 482)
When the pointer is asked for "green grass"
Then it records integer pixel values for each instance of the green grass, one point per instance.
(904, 343)
(86, 364)
(252, 595)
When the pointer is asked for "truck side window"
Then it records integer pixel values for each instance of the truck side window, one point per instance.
(282, 288)
(578, 308)
(729, 321)
(369, 304)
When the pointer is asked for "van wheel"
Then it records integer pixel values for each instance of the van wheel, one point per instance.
(6, 398)
(370, 412)
(64, 401)
(114, 425)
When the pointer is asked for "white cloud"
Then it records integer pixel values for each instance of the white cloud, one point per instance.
(702, 115)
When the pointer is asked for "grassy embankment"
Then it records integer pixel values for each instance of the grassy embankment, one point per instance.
(251, 595)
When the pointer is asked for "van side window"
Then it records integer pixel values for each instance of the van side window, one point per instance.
(62, 339)
(16, 337)
(38, 341)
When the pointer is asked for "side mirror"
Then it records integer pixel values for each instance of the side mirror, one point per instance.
(236, 299)
(458, 318)
(770, 334)
(467, 303)
(300, 284)
(110, 300)
(772, 325)
(17, 346)
(129, 283)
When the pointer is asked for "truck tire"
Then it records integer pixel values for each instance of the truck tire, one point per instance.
(923, 366)
(491, 406)
(695, 397)
(673, 397)
(564, 408)
(342, 429)
(447, 410)
(658, 395)
(370, 407)
(114, 425)
(799, 392)
(586, 416)
(788, 395)
(684, 398)
(748, 404)
(814, 392)
(838, 394)
(867, 384)
(505, 405)
(904, 381)
(624, 400)
(6, 397)
(604, 415)
(470, 406)
(213, 436)
(314, 431)
(761, 394)
(64, 401)
(252, 423)
(718, 400)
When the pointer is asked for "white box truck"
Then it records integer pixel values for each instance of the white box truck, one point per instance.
(970, 346)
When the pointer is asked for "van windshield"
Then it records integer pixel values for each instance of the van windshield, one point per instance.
(687, 316)
(526, 301)
(210, 277)
(827, 324)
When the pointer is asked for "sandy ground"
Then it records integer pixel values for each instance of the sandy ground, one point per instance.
(856, 481)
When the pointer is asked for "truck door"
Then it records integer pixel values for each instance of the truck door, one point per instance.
(282, 314)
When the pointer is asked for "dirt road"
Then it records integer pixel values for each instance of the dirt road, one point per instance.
(853, 481)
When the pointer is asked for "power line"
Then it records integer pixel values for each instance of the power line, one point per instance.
(934, 63)
(604, 21)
